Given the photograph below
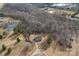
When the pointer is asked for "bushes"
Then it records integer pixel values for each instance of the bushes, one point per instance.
(49, 41)
(4, 33)
(0, 36)
(8, 51)
(18, 40)
(3, 48)
(18, 29)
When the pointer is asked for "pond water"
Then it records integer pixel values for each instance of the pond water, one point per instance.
(11, 26)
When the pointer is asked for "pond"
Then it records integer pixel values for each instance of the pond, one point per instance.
(11, 26)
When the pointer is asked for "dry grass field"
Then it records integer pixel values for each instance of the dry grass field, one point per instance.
(26, 30)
